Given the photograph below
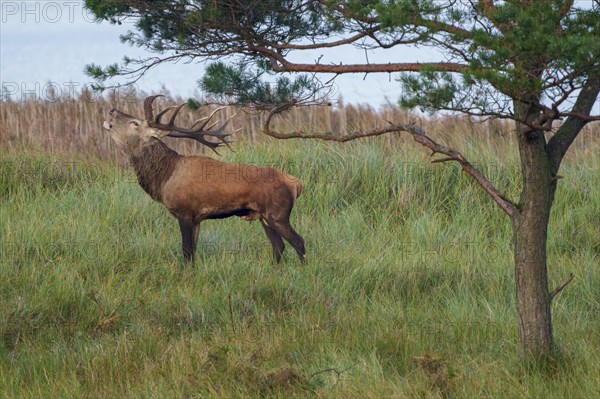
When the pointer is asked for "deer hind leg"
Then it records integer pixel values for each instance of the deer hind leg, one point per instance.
(189, 238)
(284, 229)
(276, 241)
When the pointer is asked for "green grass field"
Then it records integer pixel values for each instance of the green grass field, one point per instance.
(408, 292)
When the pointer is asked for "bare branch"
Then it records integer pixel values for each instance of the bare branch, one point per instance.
(568, 132)
(441, 160)
(336, 43)
(338, 372)
(329, 136)
(280, 64)
(562, 285)
(418, 135)
(368, 68)
(583, 117)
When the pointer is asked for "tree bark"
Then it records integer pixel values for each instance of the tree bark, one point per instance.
(530, 232)
(531, 277)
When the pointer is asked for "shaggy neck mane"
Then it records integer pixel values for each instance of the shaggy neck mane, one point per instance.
(153, 166)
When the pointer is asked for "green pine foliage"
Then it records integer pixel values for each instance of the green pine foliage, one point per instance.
(240, 85)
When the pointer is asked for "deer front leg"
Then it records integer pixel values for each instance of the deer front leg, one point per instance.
(189, 238)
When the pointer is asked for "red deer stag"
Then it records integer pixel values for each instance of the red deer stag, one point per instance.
(196, 188)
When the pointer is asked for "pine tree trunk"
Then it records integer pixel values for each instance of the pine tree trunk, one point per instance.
(531, 277)
(530, 232)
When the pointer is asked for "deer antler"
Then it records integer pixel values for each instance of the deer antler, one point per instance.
(196, 132)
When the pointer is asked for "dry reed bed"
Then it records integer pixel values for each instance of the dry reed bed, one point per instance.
(73, 126)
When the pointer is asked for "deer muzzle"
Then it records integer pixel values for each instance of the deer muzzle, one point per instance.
(108, 123)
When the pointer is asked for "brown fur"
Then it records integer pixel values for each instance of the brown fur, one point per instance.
(154, 166)
(196, 188)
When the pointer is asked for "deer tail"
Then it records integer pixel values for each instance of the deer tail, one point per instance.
(295, 186)
(298, 188)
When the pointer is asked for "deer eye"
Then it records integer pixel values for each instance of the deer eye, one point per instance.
(134, 123)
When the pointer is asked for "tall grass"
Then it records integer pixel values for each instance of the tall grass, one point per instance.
(408, 292)
(74, 126)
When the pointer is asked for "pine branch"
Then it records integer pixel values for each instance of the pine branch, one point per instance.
(418, 135)
(578, 118)
(286, 66)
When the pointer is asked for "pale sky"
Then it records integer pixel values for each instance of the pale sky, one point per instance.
(44, 42)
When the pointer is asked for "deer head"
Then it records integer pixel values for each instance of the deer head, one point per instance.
(131, 133)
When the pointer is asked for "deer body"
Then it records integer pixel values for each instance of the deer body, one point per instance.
(196, 188)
